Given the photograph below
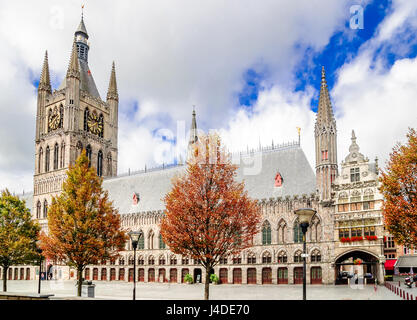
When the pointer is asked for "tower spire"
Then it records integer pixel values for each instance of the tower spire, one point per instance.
(325, 110)
(193, 132)
(73, 67)
(325, 143)
(112, 92)
(45, 80)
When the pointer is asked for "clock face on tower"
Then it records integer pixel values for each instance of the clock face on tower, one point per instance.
(95, 124)
(54, 120)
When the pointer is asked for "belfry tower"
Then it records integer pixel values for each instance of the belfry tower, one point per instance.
(71, 119)
(326, 143)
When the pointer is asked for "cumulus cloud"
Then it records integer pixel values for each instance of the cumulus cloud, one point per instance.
(169, 56)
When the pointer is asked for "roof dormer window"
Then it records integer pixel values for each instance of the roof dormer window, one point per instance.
(354, 175)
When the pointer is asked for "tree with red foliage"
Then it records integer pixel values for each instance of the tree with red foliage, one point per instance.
(83, 225)
(208, 214)
(399, 188)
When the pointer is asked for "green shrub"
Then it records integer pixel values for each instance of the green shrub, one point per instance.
(214, 278)
(188, 278)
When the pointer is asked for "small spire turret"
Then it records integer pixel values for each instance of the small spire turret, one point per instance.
(112, 92)
(73, 67)
(45, 80)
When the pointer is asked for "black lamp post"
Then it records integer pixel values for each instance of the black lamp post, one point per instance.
(304, 217)
(39, 250)
(134, 237)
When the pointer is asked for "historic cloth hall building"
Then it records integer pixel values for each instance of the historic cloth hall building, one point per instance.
(347, 228)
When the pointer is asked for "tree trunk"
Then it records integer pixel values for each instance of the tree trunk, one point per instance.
(80, 280)
(207, 284)
(5, 278)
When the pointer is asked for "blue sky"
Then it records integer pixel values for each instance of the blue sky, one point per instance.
(252, 71)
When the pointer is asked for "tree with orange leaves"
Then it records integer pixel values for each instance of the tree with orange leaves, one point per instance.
(399, 188)
(83, 225)
(208, 214)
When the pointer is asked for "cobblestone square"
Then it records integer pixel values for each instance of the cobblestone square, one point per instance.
(156, 291)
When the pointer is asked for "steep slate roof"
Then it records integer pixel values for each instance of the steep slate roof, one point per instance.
(291, 163)
(86, 80)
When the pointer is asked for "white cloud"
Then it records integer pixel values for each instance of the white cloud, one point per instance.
(169, 55)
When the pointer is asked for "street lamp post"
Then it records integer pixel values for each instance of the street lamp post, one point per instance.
(39, 250)
(134, 237)
(304, 217)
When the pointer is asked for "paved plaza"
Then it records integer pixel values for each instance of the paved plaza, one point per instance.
(155, 291)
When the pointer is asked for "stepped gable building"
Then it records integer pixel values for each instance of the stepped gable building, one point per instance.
(74, 117)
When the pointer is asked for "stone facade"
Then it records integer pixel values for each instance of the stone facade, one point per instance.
(284, 183)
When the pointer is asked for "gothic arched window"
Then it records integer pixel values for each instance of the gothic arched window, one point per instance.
(282, 257)
(109, 165)
(297, 256)
(100, 163)
(45, 209)
(282, 230)
(49, 117)
(62, 155)
(79, 148)
(61, 115)
(266, 233)
(88, 153)
(56, 154)
(101, 125)
(40, 160)
(150, 240)
(141, 242)
(38, 210)
(316, 256)
(298, 233)
(47, 159)
(266, 257)
(251, 258)
(86, 114)
(161, 242)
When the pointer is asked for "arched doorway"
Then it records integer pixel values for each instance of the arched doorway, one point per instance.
(184, 272)
(87, 274)
(161, 275)
(95, 274)
(357, 265)
(103, 274)
(237, 276)
(22, 274)
(298, 275)
(266, 276)
(122, 275)
(282, 275)
(10, 274)
(112, 274)
(141, 274)
(130, 277)
(316, 275)
(251, 273)
(27, 273)
(197, 275)
(223, 275)
(151, 275)
(173, 275)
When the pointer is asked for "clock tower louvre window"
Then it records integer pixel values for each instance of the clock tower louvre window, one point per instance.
(47, 153)
(100, 163)
(56, 153)
(86, 114)
(88, 153)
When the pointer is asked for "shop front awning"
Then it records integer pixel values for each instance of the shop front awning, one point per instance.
(389, 264)
(407, 261)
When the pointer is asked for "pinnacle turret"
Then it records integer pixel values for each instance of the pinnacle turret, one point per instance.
(193, 131)
(112, 91)
(325, 110)
(45, 80)
(73, 67)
